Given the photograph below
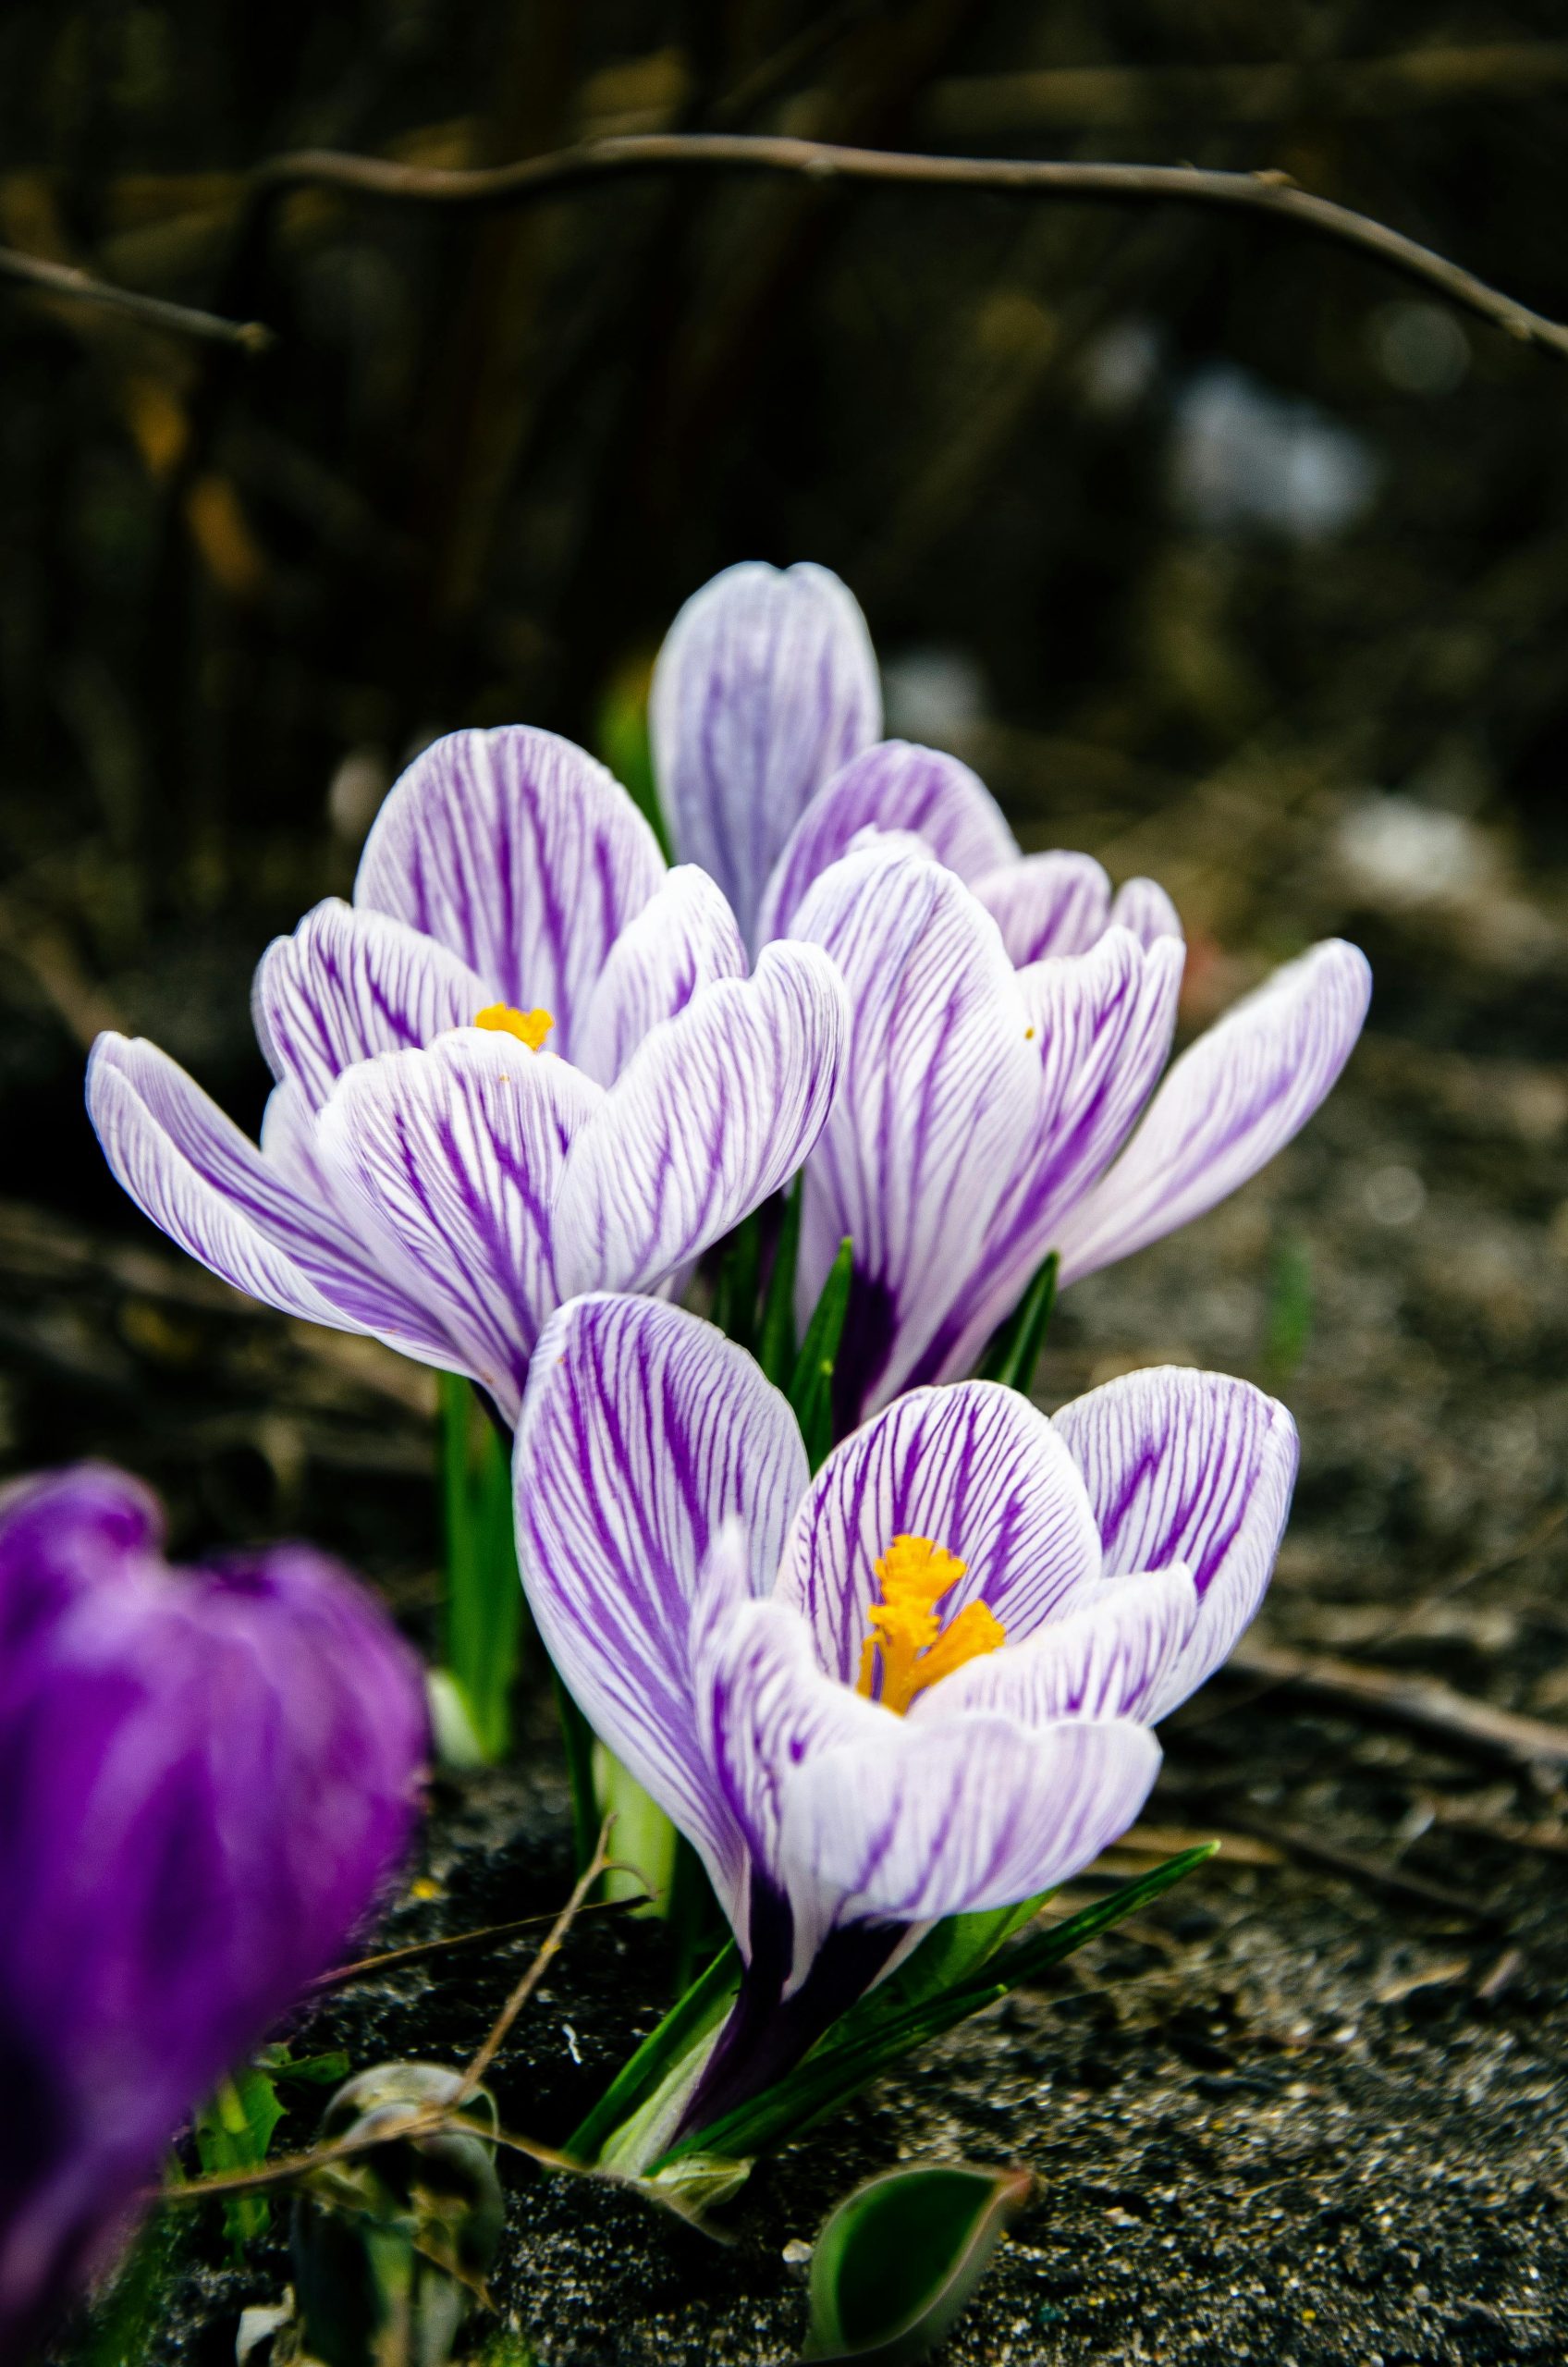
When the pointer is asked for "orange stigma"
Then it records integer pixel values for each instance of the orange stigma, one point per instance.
(529, 1027)
(907, 1639)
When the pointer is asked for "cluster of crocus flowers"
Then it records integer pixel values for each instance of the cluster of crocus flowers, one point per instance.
(207, 1777)
(530, 1075)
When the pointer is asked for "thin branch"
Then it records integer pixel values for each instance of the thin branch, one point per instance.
(1272, 195)
(549, 1949)
(491, 1935)
(63, 279)
(1423, 1704)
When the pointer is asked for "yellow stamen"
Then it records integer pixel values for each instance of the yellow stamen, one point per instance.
(529, 1027)
(907, 1636)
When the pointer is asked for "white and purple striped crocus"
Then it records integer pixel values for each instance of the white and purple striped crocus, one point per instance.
(207, 1776)
(526, 1061)
(916, 1684)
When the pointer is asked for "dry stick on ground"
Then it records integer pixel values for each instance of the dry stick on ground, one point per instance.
(423, 2120)
(79, 286)
(1271, 195)
(1422, 1704)
(489, 1935)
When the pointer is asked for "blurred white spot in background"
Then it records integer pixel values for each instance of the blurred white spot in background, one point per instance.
(355, 791)
(934, 696)
(1399, 852)
(1421, 349)
(1393, 1195)
(1120, 366)
(1242, 455)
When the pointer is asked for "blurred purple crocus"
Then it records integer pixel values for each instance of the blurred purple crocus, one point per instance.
(985, 1113)
(526, 1061)
(917, 1684)
(207, 1775)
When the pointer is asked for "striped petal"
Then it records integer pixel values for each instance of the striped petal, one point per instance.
(1143, 906)
(1109, 1653)
(1188, 1467)
(348, 984)
(714, 1111)
(260, 1223)
(766, 685)
(949, 1815)
(650, 1452)
(1228, 1105)
(460, 1148)
(1046, 904)
(936, 1109)
(975, 1469)
(522, 857)
(683, 939)
(890, 787)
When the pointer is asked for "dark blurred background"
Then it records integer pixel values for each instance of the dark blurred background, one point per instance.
(1221, 552)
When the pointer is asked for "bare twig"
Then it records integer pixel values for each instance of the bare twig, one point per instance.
(549, 1950)
(490, 1935)
(1370, 1873)
(79, 286)
(1423, 1704)
(1269, 194)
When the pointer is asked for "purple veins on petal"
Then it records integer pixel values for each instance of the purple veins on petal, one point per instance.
(350, 984)
(209, 1775)
(766, 685)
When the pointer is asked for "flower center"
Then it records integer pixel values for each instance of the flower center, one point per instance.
(529, 1027)
(908, 1644)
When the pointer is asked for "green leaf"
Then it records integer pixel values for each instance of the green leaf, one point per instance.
(735, 1291)
(1015, 1348)
(644, 1841)
(946, 1957)
(122, 2322)
(899, 2259)
(484, 1591)
(811, 1384)
(577, 1747)
(623, 741)
(776, 1333)
(689, 2020)
(313, 2070)
(848, 2059)
(1288, 1323)
(233, 2132)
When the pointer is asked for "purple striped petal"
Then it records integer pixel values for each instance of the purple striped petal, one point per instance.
(716, 1109)
(764, 1706)
(1143, 906)
(645, 1435)
(350, 984)
(683, 939)
(1046, 904)
(766, 685)
(1228, 1105)
(1109, 1653)
(462, 1149)
(950, 1816)
(890, 787)
(521, 855)
(1194, 1468)
(937, 1103)
(975, 1468)
(272, 1226)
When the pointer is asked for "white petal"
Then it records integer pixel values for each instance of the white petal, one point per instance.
(715, 1110)
(1108, 1653)
(1046, 904)
(975, 1469)
(1143, 906)
(521, 854)
(766, 685)
(1188, 1467)
(683, 939)
(350, 984)
(1228, 1105)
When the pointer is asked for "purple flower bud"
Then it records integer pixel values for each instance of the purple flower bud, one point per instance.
(206, 1774)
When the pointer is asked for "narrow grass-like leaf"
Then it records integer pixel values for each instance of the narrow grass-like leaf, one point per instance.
(735, 1291)
(484, 1591)
(899, 2258)
(689, 2019)
(1014, 1351)
(577, 1746)
(845, 2062)
(233, 2132)
(811, 1384)
(776, 1333)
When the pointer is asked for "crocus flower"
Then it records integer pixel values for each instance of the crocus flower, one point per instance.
(207, 1775)
(985, 1110)
(526, 1061)
(916, 1684)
